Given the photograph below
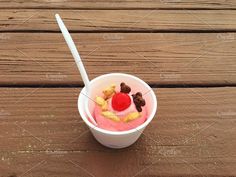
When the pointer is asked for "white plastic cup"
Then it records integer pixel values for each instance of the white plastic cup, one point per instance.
(116, 139)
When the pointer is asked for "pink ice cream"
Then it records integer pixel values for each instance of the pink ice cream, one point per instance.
(109, 124)
(121, 105)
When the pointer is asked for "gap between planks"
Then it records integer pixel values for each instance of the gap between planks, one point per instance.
(188, 31)
(151, 85)
(118, 8)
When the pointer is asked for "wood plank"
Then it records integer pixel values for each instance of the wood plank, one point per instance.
(164, 59)
(121, 4)
(119, 20)
(192, 135)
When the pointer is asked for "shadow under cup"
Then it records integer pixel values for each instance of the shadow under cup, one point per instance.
(86, 105)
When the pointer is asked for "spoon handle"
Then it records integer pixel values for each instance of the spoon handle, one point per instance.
(74, 51)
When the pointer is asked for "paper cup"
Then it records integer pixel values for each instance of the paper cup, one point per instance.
(116, 139)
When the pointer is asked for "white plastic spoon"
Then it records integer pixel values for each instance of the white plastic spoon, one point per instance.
(76, 56)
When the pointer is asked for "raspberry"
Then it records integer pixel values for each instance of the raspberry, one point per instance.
(120, 101)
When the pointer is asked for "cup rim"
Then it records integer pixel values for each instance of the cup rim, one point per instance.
(139, 128)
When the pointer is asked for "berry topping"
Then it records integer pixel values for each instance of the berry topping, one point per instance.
(120, 101)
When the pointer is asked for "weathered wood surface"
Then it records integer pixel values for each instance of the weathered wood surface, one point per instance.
(119, 20)
(169, 43)
(193, 134)
(165, 58)
(121, 4)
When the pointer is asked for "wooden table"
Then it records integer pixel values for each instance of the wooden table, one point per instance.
(186, 50)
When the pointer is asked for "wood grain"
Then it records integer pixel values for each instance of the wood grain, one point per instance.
(164, 59)
(119, 20)
(191, 135)
(168, 43)
(121, 4)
